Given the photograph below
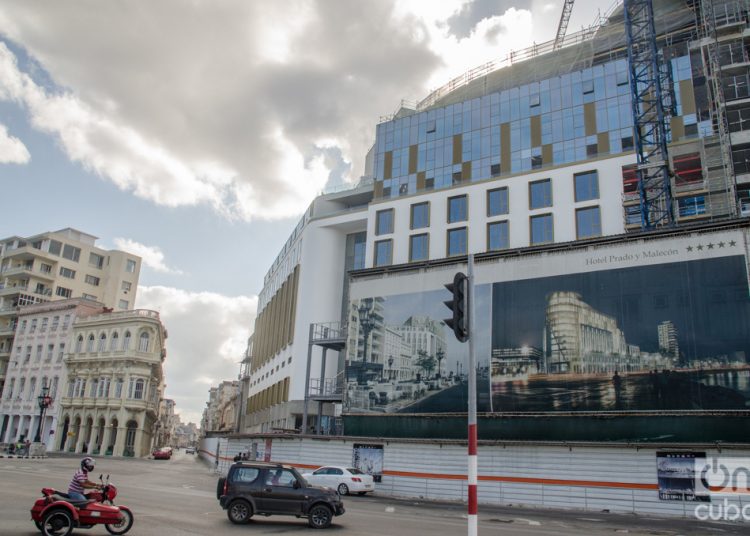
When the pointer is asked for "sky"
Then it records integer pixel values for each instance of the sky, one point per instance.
(195, 134)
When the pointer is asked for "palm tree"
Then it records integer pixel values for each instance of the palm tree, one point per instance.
(425, 361)
(440, 355)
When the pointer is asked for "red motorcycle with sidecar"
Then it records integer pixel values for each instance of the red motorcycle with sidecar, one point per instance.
(56, 514)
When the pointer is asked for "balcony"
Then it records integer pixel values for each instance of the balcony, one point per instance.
(8, 290)
(7, 331)
(9, 310)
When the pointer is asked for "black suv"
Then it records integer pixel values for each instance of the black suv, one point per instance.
(270, 488)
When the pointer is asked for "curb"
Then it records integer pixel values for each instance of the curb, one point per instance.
(23, 457)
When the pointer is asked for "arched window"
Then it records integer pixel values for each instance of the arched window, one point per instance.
(90, 343)
(143, 342)
(138, 395)
(113, 342)
(126, 341)
(79, 344)
(102, 342)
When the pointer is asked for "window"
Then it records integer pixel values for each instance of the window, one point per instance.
(123, 304)
(33, 325)
(586, 186)
(540, 194)
(420, 216)
(497, 235)
(113, 342)
(79, 344)
(90, 343)
(130, 266)
(66, 322)
(138, 394)
(10, 390)
(67, 272)
(94, 388)
(245, 474)
(92, 280)
(687, 169)
(27, 355)
(53, 389)
(143, 342)
(588, 222)
(63, 292)
(456, 209)
(419, 247)
(32, 389)
(384, 221)
(383, 252)
(71, 253)
(692, 206)
(102, 342)
(280, 477)
(126, 341)
(23, 326)
(456, 241)
(55, 247)
(97, 261)
(39, 349)
(21, 387)
(45, 321)
(542, 229)
(60, 352)
(118, 388)
(55, 323)
(45, 268)
(587, 86)
(497, 201)
(88, 297)
(50, 352)
(125, 286)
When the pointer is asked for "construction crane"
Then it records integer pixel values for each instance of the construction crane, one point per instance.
(650, 83)
(563, 26)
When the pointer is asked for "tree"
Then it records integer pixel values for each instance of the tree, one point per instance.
(440, 355)
(426, 362)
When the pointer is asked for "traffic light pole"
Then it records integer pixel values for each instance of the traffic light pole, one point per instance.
(472, 513)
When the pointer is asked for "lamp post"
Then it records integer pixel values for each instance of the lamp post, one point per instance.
(390, 367)
(365, 322)
(439, 355)
(44, 401)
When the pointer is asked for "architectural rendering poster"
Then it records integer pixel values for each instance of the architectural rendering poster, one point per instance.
(368, 459)
(676, 475)
(618, 330)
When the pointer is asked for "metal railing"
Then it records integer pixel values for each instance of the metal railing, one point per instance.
(328, 331)
(333, 387)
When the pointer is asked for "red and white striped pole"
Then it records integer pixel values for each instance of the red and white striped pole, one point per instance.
(472, 491)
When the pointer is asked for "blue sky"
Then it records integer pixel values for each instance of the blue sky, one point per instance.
(195, 134)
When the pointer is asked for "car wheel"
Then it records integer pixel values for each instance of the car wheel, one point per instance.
(123, 526)
(320, 516)
(239, 512)
(220, 487)
(38, 525)
(343, 489)
(57, 523)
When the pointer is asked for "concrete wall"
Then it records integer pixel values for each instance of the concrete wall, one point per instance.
(618, 478)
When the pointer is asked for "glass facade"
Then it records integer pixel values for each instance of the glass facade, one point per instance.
(542, 230)
(497, 201)
(558, 120)
(456, 241)
(419, 247)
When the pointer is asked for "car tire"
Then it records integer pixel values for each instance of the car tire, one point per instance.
(239, 512)
(343, 489)
(123, 526)
(57, 522)
(220, 487)
(320, 516)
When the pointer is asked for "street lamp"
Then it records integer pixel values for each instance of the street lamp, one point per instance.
(390, 367)
(366, 323)
(44, 401)
(440, 355)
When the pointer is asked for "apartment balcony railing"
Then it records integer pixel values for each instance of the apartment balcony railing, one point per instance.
(143, 313)
(6, 290)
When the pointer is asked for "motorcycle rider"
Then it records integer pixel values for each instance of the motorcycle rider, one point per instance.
(81, 480)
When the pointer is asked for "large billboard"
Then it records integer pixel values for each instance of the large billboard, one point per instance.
(638, 325)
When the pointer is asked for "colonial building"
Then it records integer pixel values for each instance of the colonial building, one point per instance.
(44, 331)
(115, 382)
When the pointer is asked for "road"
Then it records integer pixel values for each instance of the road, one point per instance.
(177, 497)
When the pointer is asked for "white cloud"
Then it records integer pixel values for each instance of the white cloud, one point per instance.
(207, 338)
(152, 256)
(12, 150)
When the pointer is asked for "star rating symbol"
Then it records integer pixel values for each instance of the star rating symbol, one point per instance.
(690, 248)
(700, 247)
(721, 244)
(732, 243)
(710, 246)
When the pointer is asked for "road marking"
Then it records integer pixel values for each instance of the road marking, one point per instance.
(389, 509)
(529, 521)
(590, 519)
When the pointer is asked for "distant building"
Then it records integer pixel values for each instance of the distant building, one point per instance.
(220, 413)
(668, 344)
(115, 382)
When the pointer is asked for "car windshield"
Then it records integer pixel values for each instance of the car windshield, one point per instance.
(354, 471)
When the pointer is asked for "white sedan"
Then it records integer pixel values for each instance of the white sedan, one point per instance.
(343, 479)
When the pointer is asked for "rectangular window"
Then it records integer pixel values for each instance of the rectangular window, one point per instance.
(55, 323)
(497, 235)
(419, 247)
(130, 266)
(92, 280)
(383, 252)
(67, 272)
(497, 201)
(457, 244)
(384, 221)
(97, 261)
(540, 194)
(63, 292)
(60, 352)
(71, 253)
(457, 209)
(586, 185)
(33, 325)
(55, 247)
(692, 206)
(88, 297)
(688, 169)
(123, 304)
(45, 321)
(542, 230)
(588, 222)
(45, 268)
(125, 286)
(38, 352)
(420, 216)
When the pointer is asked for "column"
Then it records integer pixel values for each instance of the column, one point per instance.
(120, 439)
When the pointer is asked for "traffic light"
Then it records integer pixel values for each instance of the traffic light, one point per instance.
(459, 305)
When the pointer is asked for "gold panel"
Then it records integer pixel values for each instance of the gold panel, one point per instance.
(421, 180)
(466, 171)
(457, 148)
(589, 118)
(536, 130)
(378, 189)
(677, 126)
(505, 147)
(687, 97)
(547, 154)
(388, 165)
(412, 159)
(602, 142)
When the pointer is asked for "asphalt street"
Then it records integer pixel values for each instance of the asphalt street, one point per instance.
(177, 497)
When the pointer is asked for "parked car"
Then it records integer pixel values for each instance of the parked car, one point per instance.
(343, 479)
(162, 453)
(189, 450)
(267, 488)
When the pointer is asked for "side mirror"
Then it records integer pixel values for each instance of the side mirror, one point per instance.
(100, 477)
(296, 484)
